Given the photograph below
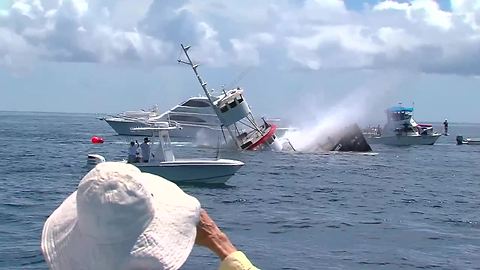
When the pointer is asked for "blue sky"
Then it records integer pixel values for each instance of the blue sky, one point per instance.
(359, 5)
(297, 58)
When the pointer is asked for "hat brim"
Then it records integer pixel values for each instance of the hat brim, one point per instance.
(165, 243)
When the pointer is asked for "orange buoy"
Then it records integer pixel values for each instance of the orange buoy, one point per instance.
(96, 139)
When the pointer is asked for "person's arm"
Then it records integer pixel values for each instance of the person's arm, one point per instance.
(210, 236)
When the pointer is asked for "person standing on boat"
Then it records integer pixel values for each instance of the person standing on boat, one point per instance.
(445, 125)
(379, 130)
(145, 147)
(133, 152)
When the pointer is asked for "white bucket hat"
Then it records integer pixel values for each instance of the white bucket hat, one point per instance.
(121, 218)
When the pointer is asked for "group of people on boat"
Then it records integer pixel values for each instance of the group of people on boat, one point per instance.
(139, 152)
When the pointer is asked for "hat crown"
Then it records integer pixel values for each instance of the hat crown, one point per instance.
(113, 205)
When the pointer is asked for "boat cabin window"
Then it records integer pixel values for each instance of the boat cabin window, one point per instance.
(247, 144)
(399, 116)
(186, 118)
(196, 103)
(233, 104)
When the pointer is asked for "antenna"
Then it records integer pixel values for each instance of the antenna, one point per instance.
(240, 77)
(223, 90)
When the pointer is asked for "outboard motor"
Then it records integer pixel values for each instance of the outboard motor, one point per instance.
(94, 159)
(459, 140)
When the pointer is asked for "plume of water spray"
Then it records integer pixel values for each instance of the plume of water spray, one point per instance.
(321, 127)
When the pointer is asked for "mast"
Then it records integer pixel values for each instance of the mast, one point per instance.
(194, 67)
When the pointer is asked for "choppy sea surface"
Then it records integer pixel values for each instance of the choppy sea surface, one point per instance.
(412, 207)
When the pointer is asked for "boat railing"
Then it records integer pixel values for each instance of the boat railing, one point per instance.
(153, 126)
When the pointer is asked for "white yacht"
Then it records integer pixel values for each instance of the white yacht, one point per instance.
(401, 129)
(195, 117)
(163, 162)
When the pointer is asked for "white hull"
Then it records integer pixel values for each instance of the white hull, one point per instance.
(404, 140)
(162, 161)
(194, 171)
(471, 141)
(187, 132)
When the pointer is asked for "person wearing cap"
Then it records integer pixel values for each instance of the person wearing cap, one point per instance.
(145, 147)
(121, 218)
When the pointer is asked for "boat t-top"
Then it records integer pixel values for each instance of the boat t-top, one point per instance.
(401, 129)
(163, 162)
(236, 117)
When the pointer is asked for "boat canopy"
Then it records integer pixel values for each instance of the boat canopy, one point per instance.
(397, 109)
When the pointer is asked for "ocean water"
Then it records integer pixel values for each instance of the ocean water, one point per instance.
(405, 208)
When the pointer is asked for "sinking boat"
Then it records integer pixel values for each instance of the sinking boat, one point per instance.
(469, 141)
(236, 117)
(341, 139)
(349, 139)
(401, 129)
(164, 163)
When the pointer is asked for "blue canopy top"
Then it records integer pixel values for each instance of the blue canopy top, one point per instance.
(400, 109)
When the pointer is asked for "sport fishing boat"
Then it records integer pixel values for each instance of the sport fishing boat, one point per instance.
(236, 117)
(163, 162)
(195, 116)
(401, 129)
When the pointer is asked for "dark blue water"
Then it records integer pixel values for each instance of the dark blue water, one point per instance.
(405, 208)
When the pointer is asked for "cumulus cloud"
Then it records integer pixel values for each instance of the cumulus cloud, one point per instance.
(311, 34)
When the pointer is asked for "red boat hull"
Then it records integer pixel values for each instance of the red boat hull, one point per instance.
(263, 139)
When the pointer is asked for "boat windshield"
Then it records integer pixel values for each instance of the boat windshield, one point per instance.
(196, 103)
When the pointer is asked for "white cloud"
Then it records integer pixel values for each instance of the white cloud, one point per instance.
(247, 50)
(12, 53)
(311, 34)
(419, 11)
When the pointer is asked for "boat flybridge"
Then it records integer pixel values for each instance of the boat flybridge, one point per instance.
(401, 129)
(236, 117)
(164, 163)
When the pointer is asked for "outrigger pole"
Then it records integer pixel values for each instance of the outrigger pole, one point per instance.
(194, 67)
(202, 83)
